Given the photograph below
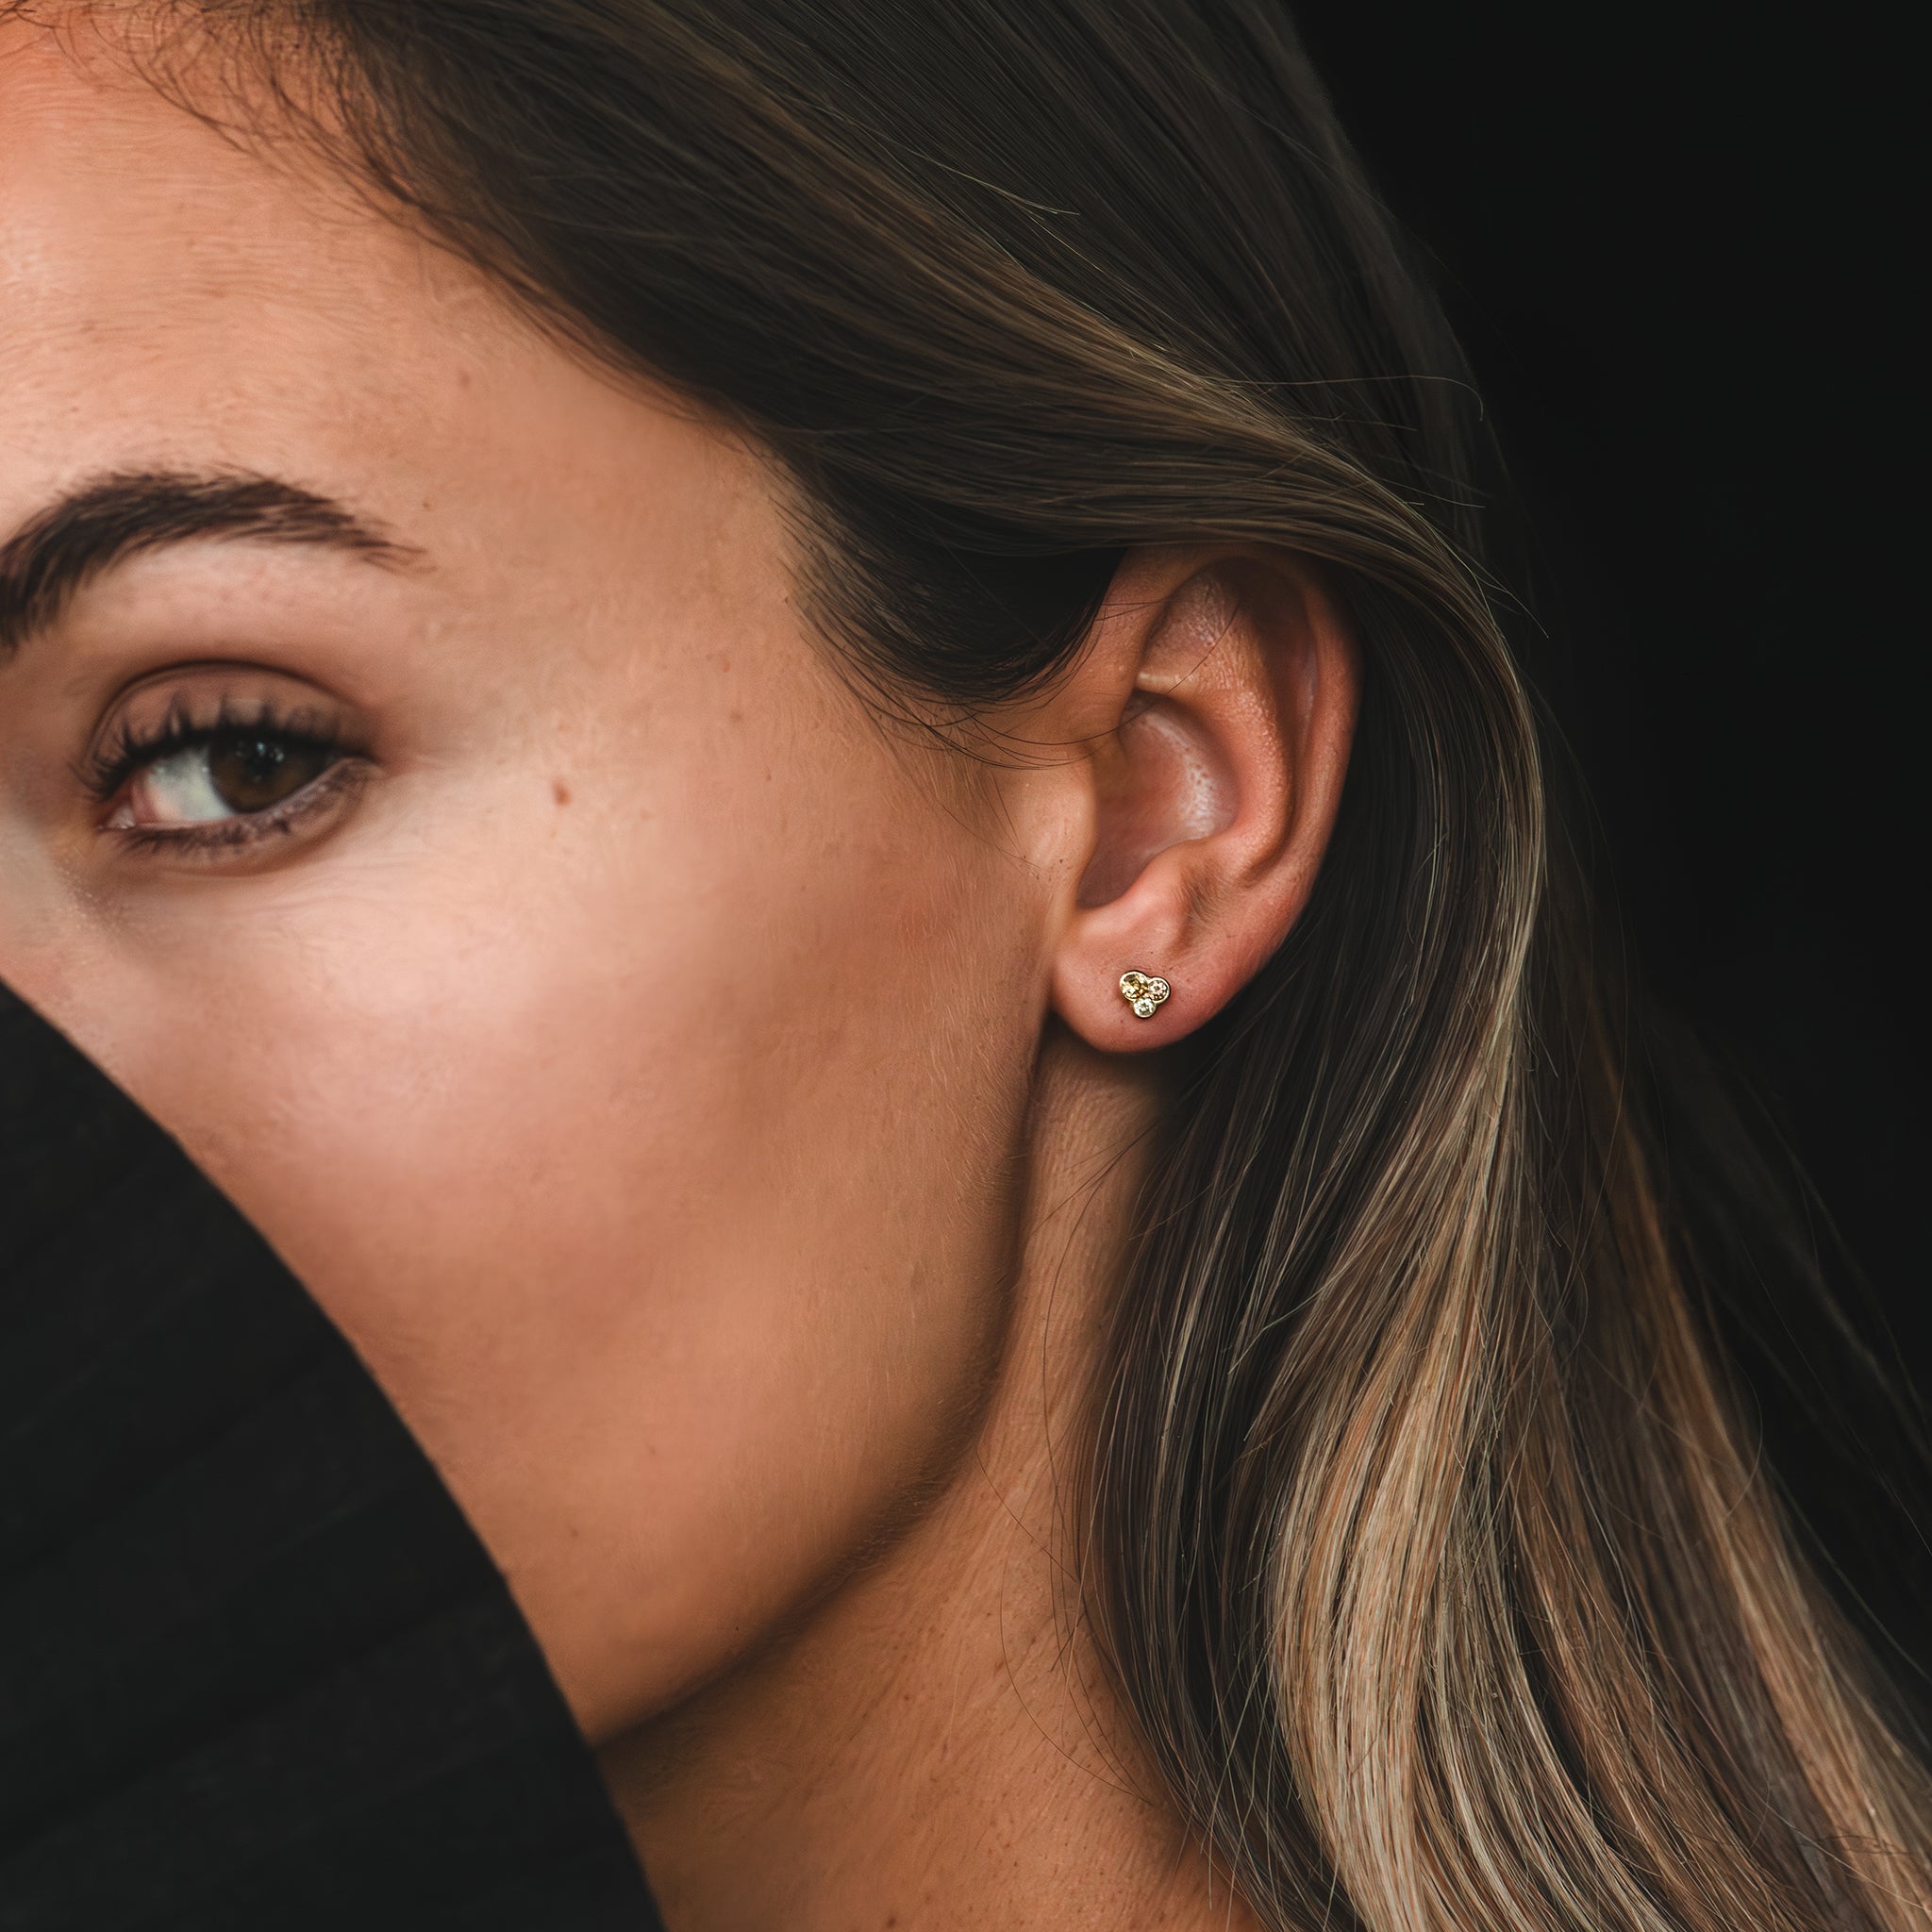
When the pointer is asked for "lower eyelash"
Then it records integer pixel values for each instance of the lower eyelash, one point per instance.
(334, 786)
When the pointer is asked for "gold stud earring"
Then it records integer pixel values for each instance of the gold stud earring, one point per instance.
(1143, 992)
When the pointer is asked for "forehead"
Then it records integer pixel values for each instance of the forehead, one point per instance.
(168, 296)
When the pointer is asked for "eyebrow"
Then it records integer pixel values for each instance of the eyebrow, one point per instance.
(110, 519)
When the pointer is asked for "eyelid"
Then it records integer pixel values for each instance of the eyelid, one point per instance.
(203, 699)
(204, 688)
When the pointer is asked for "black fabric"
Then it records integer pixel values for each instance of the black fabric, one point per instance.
(256, 1668)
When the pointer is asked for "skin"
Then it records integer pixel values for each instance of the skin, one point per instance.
(709, 1111)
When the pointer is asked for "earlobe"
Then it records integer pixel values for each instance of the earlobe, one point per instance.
(1231, 682)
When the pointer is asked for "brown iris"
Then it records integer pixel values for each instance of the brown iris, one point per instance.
(253, 771)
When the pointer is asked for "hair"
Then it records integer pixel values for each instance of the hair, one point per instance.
(1428, 1540)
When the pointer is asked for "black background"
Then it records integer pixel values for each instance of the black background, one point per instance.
(1677, 248)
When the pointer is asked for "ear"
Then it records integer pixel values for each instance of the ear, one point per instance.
(1219, 693)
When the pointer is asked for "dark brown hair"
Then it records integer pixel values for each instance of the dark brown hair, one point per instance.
(1427, 1546)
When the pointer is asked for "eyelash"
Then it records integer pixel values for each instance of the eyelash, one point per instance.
(109, 767)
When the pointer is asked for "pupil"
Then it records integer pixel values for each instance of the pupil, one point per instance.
(251, 772)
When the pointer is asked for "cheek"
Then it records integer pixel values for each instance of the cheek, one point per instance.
(662, 1178)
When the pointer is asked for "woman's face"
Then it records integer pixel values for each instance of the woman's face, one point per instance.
(419, 788)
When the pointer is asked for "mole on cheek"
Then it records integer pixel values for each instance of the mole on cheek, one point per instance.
(559, 790)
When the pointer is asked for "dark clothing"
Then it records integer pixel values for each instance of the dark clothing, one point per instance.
(256, 1668)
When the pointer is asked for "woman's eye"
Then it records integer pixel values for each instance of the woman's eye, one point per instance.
(229, 775)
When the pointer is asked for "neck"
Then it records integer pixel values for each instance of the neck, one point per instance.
(934, 1745)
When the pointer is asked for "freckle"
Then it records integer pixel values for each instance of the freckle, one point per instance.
(559, 790)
